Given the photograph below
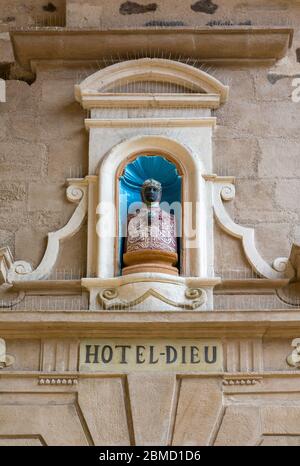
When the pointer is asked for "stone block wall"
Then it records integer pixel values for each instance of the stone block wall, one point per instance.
(257, 141)
(43, 141)
(22, 13)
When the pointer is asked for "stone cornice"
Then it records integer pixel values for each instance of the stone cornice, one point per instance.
(80, 324)
(33, 376)
(150, 122)
(250, 286)
(216, 45)
(107, 100)
(48, 286)
(237, 286)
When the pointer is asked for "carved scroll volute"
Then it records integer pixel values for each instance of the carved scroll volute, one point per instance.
(293, 358)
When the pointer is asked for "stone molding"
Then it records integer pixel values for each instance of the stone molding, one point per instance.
(108, 299)
(230, 45)
(158, 292)
(152, 324)
(152, 122)
(253, 286)
(139, 100)
(247, 379)
(149, 69)
(46, 381)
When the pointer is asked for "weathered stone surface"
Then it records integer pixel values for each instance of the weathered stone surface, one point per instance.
(272, 86)
(260, 119)
(240, 82)
(275, 353)
(43, 196)
(230, 261)
(73, 264)
(199, 407)
(68, 159)
(20, 442)
(287, 418)
(279, 158)
(242, 423)
(22, 416)
(236, 155)
(192, 13)
(281, 440)
(20, 97)
(7, 238)
(22, 160)
(287, 191)
(30, 244)
(26, 354)
(279, 245)
(3, 126)
(253, 195)
(103, 405)
(152, 420)
(57, 94)
(24, 126)
(33, 12)
(10, 192)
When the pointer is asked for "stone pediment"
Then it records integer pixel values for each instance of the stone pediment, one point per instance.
(99, 89)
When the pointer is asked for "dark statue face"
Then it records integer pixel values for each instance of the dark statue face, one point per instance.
(151, 193)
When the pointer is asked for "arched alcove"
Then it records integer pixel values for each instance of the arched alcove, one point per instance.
(167, 120)
(182, 115)
(190, 167)
(131, 179)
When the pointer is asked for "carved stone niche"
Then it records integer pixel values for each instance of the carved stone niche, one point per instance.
(148, 108)
(151, 108)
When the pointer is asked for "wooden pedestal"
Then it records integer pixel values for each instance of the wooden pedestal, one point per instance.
(150, 260)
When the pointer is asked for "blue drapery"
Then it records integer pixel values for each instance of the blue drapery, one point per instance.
(147, 166)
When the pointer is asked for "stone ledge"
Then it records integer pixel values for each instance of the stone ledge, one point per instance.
(225, 375)
(222, 286)
(150, 122)
(211, 45)
(48, 286)
(150, 100)
(250, 286)
(78, 324)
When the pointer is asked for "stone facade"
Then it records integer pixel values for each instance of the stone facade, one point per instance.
(44, 320)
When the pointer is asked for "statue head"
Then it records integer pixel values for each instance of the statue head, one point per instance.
(151, 191)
